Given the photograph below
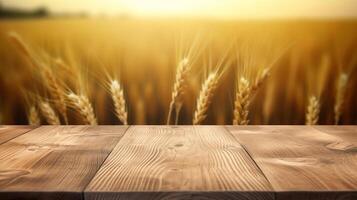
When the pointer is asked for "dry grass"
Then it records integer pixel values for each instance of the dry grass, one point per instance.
(82, 105)
(118, 98)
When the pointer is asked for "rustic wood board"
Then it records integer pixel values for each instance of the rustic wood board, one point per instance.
(54, 162)
(9, 132)
(345, 133)
(302, 162)
(185, 162)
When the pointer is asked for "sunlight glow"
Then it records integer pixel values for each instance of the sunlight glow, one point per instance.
(168, 7)
(200, 8)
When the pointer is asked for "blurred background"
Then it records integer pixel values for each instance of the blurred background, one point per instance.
(308, 45)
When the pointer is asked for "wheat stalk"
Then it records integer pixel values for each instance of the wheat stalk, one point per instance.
(49, 114)
(243, 97)
(117, 94)
(23, 48)
(241, 104)
(64, 66)
(82, 105)
(340, 95)
(260, 79)
(183, 69)
(313, 111)
(33, 117)
(205, 98)
(57, 93)
(20, 44)
(52, 84)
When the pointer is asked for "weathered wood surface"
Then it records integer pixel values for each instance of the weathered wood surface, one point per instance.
(186, 162)
(9, 132)
(54, 162)
(304, 162)
(179, 162)
(348, 134)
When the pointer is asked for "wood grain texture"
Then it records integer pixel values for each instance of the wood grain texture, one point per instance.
(348, 134)
(302, 162)
(9, 132)
(54, 162)
(185, 162)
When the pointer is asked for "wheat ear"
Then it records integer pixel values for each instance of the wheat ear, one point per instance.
(57, 93)
(313, 111)
(82, 105)
(33, 117)
(182, 71)
(241, 103)
(340, 96)
(205, 97)
(244, 95)
(48, 113)
(117, 94)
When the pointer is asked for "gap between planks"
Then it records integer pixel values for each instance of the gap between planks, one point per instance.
(304, 162)
(105, 159)
(251, 157)
(37, 146)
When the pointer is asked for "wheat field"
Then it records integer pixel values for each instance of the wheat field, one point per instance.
(156, 71)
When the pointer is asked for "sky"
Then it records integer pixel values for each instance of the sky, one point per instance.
(201, 8)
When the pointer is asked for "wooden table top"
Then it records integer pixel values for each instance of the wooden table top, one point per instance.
(178, 162)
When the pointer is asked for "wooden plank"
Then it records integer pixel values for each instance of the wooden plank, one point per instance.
(347, 134)
(54, 162)
(9, 132)
(301, 162)
(185, 162)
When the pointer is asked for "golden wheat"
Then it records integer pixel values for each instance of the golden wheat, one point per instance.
(205, 98)
(33, 117)
(48, 113)
(64, 66)
(241, 104)
(149, 109)
(183, 69)
(340, 96)
(140, 112)
(117, 94)
(261, 78)
(69, 74)
(24, 49)
(52, 83)
(56, 93)
(313, 111)
(82, 105)
(20, 44)
(244, 94)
